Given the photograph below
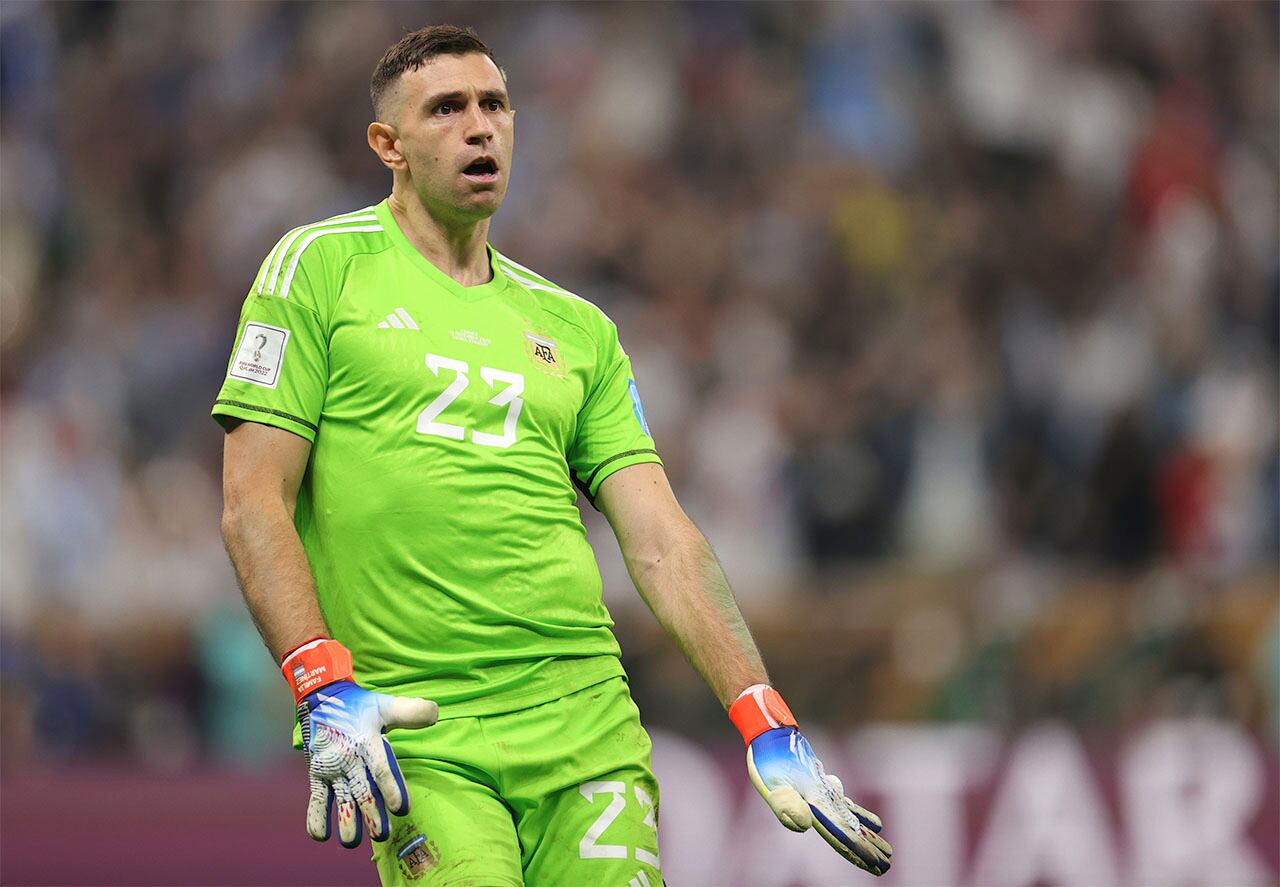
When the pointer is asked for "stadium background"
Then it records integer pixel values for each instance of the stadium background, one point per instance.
(957, 326)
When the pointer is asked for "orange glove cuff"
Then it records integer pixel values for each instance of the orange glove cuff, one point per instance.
(760, 708)
(315, 664)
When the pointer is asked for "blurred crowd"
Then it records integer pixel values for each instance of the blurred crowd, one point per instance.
(979, 295)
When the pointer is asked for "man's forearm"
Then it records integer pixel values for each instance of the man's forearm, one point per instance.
(687, 591)
(274, 575)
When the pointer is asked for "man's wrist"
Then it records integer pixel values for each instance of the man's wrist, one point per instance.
(298, 646)
(757, 709)
(314, 664)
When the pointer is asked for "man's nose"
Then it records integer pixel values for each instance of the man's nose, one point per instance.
(479, 128)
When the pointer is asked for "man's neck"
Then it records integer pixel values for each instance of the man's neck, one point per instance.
(457, 250)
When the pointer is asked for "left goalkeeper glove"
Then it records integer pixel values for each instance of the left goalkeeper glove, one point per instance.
(801, 794)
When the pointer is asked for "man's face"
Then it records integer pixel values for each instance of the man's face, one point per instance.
(454, 126)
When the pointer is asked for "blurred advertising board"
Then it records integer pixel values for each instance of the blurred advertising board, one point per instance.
(1171, 803)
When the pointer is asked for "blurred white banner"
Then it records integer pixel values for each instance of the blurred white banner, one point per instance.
(1175, 803)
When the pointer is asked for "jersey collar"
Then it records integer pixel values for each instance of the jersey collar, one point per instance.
(496, 285)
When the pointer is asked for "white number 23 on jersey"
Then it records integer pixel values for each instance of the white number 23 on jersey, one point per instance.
(508, 396)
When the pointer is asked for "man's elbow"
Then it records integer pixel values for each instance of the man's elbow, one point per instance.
(244, 509)
(234, 516)
(644, 565)
(680, 541)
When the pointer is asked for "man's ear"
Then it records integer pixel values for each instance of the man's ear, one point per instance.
(385, 142)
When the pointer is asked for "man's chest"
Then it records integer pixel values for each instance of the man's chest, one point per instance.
(492, 372)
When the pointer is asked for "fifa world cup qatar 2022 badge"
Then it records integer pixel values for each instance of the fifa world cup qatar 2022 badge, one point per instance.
(416, 854)
(260, 355)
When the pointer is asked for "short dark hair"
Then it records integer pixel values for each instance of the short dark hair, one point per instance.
(415, 49)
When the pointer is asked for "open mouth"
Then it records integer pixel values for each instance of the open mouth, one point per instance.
(484, 169)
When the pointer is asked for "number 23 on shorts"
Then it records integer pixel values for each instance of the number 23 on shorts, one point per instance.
(591, 845)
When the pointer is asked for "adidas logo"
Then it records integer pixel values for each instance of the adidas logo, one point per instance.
(399, 320)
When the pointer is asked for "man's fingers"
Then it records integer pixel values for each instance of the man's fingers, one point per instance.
(349, 828)
(369, 802)
(318, 807)
(880, 844)
(873, 850)
(406, 711)
(872, 824)
(853, 841)
(852, 830)
(396, 712)
(853, 844)
(869, 819)
(386, 775)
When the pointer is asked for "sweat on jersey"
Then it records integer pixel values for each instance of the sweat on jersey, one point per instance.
(449, 427)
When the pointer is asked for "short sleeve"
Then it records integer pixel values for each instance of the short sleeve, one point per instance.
(279, 367)
(612, 432)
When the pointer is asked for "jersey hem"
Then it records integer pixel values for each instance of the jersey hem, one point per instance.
(591, 670)
(263, 415)
(594, 670)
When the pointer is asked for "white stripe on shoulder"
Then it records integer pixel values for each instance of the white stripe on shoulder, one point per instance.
(271, 268)
(270, 275)
(307, 241)
(299, 233)
(547, 287)
(282, 244)
(537, 284)
(507, 260)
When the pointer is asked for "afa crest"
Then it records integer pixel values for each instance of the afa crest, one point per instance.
(545, 353)
(416, 854)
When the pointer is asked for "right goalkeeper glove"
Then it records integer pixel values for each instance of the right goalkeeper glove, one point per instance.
(347, 757)
(797, 789)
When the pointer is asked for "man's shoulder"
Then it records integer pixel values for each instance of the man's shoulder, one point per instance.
(326, 243)
(555, 298)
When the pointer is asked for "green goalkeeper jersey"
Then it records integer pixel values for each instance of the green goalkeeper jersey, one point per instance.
(449, 427)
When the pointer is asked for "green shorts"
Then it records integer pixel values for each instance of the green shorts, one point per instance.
(556, 795)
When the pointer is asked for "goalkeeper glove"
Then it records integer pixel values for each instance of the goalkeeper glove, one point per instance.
(801, 794)
(347, 758)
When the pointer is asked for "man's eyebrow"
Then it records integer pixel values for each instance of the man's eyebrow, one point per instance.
(460, 95)
(432, 100)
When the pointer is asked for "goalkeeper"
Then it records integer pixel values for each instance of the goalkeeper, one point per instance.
(408, 413)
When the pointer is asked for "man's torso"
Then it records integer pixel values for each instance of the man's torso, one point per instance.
(438, 511)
